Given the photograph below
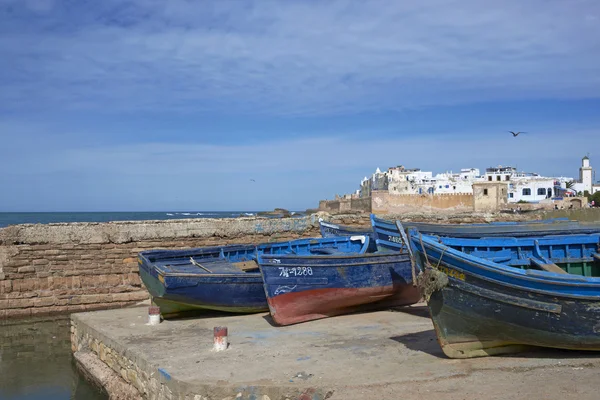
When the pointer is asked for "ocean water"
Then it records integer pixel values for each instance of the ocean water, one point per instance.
(10, 218)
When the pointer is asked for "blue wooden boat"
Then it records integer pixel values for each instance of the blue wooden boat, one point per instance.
(480, 307)
(573, 253)
(387, 237)
(224, 278)
(329, 229)
(302, 288)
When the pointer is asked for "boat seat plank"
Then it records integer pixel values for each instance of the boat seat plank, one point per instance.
(549, 267)
(246, 265)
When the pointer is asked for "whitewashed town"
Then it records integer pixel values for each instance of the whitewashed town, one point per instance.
(523, 186)
(520, 187)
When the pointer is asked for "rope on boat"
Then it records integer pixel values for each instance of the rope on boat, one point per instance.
(430, 281)
(406, 241)
(413, 266)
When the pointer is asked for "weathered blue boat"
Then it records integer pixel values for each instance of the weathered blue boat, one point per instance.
(574, 253)
(329, 229)
(223, 278)
(480, 307)
(387, 237)
(303, 288)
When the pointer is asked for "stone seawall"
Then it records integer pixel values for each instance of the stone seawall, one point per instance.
(70, 267)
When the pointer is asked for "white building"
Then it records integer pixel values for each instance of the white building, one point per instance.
(407, 181)
(461, 183)
(531, 189)
(523, 186)
(400, 180)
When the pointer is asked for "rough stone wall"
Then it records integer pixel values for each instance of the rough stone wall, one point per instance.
(384, 202)
(59, 268)
(124, 368)
(548, 204)
(362, 204)
(329, 205)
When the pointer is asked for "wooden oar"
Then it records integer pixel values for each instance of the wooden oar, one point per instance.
(194, 262)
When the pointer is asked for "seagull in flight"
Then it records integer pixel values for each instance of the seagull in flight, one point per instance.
(515, 134)
(252, 180)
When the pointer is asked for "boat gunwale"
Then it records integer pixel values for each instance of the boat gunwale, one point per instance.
(341, 265)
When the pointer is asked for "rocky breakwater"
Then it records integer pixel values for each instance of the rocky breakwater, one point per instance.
(70, 267)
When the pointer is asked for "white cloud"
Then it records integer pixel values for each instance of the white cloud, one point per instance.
(296, 58)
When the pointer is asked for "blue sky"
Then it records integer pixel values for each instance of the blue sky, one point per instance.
(177, 105)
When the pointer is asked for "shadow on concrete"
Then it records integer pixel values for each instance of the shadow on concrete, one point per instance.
(418, 311)
(559, 354)
(269, 319)
(426, 342)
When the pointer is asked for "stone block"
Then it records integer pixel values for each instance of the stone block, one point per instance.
(28, 284)
(18, 263)
(48, 310)
(5, 286)
(26, 269)
(132, 279)
(114, 280)
(102, 351)
(17, 313)
(121, 297)
(76, 308)
(42, 247)
(40, 261)
(59, 282)
(44, 301)
(139, 295)
(91, 298)
(43, 274)
(52, 252)
(12, 295)
(20, 303)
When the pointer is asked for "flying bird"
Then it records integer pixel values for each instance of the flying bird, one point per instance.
(252, 180)
(515, 134)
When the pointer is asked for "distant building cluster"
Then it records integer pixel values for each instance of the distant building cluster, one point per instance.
(521, 186)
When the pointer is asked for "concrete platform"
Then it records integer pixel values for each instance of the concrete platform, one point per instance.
(380, 355)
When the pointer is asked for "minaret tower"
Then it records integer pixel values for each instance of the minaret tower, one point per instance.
(585, 174)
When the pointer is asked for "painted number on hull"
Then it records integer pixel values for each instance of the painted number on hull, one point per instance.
(298, 271)
(395, 239)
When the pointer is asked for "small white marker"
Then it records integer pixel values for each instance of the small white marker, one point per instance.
(153, 315)
(220, 335)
